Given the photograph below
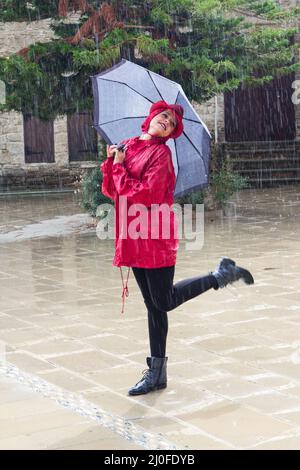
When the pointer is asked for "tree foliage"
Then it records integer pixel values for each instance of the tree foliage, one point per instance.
(19, 10)
(206, 45)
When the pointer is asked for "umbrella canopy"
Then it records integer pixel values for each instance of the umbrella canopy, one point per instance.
(123, 96)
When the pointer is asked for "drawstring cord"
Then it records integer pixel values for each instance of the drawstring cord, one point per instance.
(125, 291)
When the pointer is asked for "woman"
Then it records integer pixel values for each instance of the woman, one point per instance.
(147, 177)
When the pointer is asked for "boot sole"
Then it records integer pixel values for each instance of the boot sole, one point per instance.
(158, 387)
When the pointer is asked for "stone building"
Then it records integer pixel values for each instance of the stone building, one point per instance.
(35, 155)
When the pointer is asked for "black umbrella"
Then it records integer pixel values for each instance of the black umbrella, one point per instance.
(123, 96)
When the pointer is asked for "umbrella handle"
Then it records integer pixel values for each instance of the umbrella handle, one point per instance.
(121, 147)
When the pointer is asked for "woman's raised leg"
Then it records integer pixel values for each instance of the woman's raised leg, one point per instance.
(166, 296)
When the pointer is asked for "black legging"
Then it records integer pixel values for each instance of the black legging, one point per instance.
(161, 295)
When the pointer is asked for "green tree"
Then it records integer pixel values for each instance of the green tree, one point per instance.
(205, 45)
(18, 10)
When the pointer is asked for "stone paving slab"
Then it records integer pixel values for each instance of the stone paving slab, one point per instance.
(29, 421)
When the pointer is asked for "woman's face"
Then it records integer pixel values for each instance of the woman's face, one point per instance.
(163, 124)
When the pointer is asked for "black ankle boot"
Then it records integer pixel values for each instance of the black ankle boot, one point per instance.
(227, 273)
(155, 378)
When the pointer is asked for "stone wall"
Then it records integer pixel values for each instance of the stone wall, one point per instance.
(212, 113)
(61, 141)
(13, 37)
(288, 3)
(11, 139)
(43, 176)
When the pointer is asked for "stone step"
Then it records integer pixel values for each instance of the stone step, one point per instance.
(47, 178)
(267, 183)
(257, 148)
(271, 177)
(244, 155)
(258, 161)
(265, 165)
(280, 144)
(269, 170)
(271, 182)
(263, 150)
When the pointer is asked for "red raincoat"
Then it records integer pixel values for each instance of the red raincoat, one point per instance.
(145, 177)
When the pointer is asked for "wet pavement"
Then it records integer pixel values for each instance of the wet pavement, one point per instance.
(234, 354)
(31, 420)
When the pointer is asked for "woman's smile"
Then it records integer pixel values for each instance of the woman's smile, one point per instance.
(163, 124)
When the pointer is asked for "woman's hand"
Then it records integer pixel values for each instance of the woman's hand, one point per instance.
(119, 156)
(110, 151)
